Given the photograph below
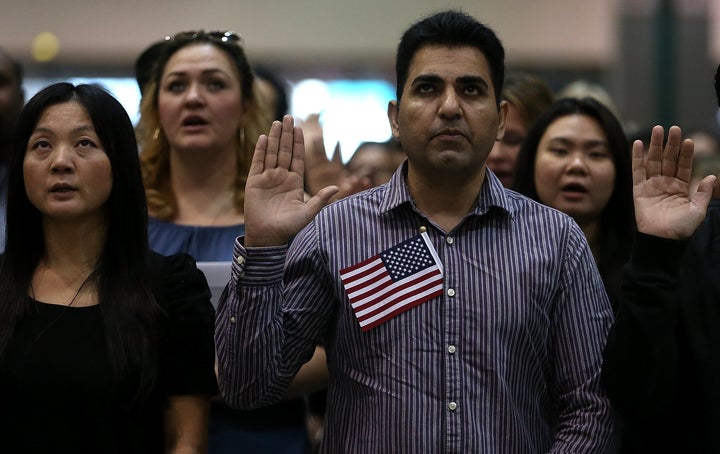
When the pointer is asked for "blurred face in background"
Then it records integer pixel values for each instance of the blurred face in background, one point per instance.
(199, 100)
(375, 162)
(574, 169)
(503, 157)
(11, 98)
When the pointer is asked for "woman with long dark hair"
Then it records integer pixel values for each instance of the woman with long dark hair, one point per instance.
(104, 345)
(576, 158)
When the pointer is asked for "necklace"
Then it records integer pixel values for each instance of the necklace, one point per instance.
(56, 319)
(74, 297)
(72, 300)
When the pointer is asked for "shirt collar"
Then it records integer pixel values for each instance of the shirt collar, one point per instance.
(492, 193)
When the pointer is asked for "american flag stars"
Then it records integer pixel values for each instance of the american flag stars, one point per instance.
(407, 258)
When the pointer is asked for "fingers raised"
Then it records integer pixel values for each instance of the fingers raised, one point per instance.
(685, 161)
(653, 160)
(670, 153)
(297, 163)
(638, 162)
(257, 165)
(273, 145)
(287, 143)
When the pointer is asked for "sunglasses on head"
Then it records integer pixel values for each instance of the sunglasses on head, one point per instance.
(219, 36)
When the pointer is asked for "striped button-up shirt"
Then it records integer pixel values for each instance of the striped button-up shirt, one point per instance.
(506, 360)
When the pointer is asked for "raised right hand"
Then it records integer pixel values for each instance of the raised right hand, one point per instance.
(664, 206)
(275, 209)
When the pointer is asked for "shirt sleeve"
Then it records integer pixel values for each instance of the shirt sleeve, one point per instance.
(274, 312)
(188, 351)
(581, 320)
(641, 355)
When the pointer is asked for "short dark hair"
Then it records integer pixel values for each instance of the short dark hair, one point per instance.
(617, 220)
(128, 307)
(145, 64)
(451, 28)
(528, 93)
(11, 76)
(15, 67)
(281, 105)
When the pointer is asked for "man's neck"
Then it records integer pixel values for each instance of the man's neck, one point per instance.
(445, 201)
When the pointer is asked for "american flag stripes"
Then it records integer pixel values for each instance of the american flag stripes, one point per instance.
(393, 281)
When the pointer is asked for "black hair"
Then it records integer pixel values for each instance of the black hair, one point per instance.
(717, 85)
(280, 106)
(617, 220)
(454, 29)
(12, 75)
(145, 64)
(15, 67)
(127, 305)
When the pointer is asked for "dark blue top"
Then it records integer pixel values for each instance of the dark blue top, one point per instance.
(276, 428)
(204, 243)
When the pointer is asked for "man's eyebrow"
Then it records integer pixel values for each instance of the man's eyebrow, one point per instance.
(477, 80)
(464, 80)
(427, 78)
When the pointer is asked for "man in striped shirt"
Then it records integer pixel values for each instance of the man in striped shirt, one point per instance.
(505, 358)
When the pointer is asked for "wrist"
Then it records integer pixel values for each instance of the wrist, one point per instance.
(252, 240)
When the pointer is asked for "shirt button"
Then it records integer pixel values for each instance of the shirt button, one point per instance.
(233, 319)
(241, 274)
(452, 406)
(451, 292)
(449, 240)
(451, 349)
(240, 260)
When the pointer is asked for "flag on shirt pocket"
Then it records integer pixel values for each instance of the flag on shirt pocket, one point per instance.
(393, 281)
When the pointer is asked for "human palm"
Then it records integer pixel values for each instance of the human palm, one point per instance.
(275, 209)
(664, 206)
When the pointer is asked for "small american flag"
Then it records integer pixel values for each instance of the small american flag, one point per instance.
(394, 281)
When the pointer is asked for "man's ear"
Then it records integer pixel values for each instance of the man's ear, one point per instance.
(393, 111)
(502, 116)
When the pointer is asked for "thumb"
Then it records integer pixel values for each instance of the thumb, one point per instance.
(320, 199)
(704, 192)
(707, 188)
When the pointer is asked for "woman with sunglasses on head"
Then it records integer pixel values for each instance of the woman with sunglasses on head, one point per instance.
(200, 118)
(105, 347)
